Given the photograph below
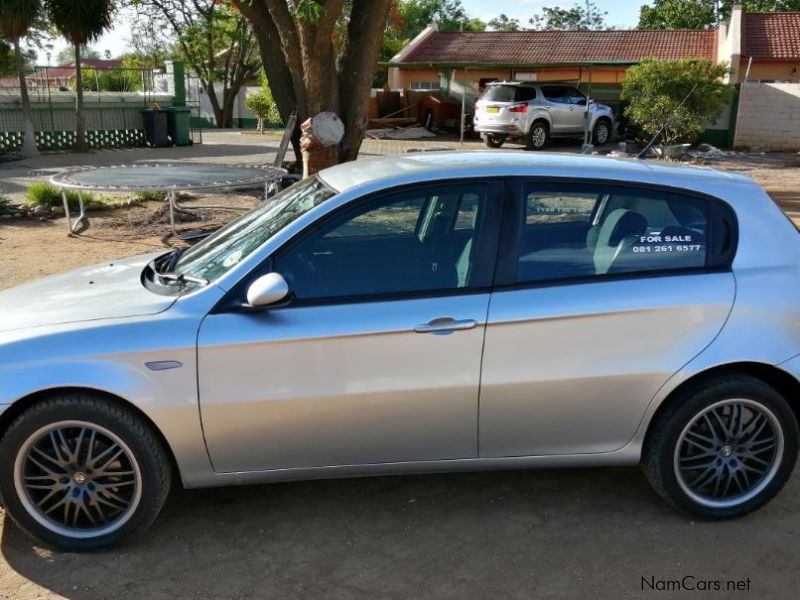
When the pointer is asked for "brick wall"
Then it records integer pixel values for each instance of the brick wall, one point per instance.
(769, 116)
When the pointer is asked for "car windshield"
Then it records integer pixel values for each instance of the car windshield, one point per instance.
(220, 252)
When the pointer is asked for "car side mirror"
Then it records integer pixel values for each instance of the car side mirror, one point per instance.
(267, 290)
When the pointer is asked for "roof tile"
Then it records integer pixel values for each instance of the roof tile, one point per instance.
(562, 47)
(771, 36)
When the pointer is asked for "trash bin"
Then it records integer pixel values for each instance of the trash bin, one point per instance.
(178, 122)
(155, 127)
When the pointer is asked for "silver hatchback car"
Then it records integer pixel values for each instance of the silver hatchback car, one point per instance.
(535, 112)
(439, 312)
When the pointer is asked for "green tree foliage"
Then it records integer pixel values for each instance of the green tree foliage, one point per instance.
(67, 55)
(81, 22)
(263, 105)
(504, 23)
(6, 58)
(449, 15)
(676, 98)
(580, 16)
(214, 40)
(700, 14)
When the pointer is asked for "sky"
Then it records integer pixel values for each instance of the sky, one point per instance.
(621, 13)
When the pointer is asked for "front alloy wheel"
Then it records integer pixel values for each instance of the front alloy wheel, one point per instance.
(84, 472)
(77, 479)
(723, 447)
(602, 133)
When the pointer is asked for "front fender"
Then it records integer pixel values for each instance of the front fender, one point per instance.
(112, 358)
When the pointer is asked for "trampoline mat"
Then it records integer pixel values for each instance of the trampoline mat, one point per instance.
(165, 176)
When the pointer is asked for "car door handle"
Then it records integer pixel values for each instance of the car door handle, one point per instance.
(446, 325)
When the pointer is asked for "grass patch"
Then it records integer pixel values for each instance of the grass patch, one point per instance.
(45, 194)
(147, 196)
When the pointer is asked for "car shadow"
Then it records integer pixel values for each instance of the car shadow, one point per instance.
(522, 534)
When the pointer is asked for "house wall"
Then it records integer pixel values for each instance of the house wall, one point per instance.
(772, 71)
(769, 116)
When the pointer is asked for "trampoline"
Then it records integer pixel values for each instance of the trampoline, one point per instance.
(169, 178)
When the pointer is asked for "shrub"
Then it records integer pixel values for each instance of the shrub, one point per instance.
(676, 98)
(110, 80)
(263, 105)
(45, 194)
(5, 202)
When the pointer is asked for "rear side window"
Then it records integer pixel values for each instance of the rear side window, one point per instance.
(577, 232)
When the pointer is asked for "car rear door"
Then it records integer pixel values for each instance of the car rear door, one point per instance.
(377, 357)
(566, 116)
(582, 333)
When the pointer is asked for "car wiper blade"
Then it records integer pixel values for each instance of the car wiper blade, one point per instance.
(168, 261)
(181, 278)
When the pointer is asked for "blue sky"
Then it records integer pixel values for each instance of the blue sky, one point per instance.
(622, 13)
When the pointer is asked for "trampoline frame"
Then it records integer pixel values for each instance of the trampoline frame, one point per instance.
(267, 175)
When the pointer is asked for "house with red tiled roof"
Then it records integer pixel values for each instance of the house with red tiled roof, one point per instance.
(61, 77)
(767, 43)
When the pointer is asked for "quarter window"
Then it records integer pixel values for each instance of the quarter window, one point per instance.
(577, 232)
(410, 242)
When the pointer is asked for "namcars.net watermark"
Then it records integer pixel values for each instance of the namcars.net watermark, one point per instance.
(692, 583)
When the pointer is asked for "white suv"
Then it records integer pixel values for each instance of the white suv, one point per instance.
(535, 112)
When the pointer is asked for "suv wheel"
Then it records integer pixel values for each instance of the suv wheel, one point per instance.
(537, 136)
(602, 132)
(724, 448)
(493, 141)
(84, 473)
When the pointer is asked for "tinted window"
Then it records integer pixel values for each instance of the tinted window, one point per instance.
(509, 93)
(576, 232)
(563, 94)
(413, 241)
(555, 93)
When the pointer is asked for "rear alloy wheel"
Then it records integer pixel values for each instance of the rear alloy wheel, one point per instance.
(724, 449)
(84, 473)
(494, 141)
(537, 136)
(602, 132)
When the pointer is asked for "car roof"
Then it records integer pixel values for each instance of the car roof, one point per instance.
(387, 171)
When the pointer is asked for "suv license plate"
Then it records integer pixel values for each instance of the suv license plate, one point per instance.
(492, 109)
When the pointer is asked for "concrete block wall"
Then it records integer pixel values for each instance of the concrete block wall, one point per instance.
(769, 116)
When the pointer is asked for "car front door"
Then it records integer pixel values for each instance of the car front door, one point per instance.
(583, 331)
(377, 357)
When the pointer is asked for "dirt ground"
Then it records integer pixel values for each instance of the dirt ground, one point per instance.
(539, 534)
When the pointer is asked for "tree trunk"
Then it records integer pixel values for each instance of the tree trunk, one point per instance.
(275, 66)
(29, 148)
(357, 68)
(211, 92)
(228, 100)
(80, 117)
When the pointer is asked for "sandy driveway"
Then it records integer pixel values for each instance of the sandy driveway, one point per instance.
(545, 534)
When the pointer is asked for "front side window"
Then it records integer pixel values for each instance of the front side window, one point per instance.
(409, 242)
(576, 232)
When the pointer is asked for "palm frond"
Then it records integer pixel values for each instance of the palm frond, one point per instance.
(81, 21)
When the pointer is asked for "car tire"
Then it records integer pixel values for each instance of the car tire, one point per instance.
(538, 135)
(602, 132)
(82, 472)
(494, 141)
(724, 447)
